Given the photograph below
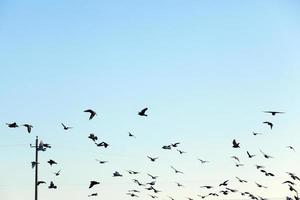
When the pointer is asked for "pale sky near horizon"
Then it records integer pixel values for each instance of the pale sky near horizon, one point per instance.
(206, 71)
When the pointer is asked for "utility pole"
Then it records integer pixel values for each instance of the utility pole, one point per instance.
(36, 167)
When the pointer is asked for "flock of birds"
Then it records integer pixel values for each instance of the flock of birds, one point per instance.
(222, 189)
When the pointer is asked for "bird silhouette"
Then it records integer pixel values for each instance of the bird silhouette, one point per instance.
(168, 147)
(235, 144)
(12, 125)
(117, 174)
(93, 195)
(290, 147)
(143, 112)
(102, 161)
(241, 180)
(28, 127)
(93, 137)
(180, 151)
(260, 186)
(92, 113)
(102, 144)
(153, 177)
(131, 135)
(175, 144)
(269, 124)
(57, 173)
(206, 186)
(225, 183)
(40, 182)
(250, 155)
(236, 158)
(265, 155)
(51, 162)
(176, 171)
(273, 112)
(52, 186)
(203, 161)
(153, 159)
(33, 164)
(256, 133)
(66, 127)
(93, 183)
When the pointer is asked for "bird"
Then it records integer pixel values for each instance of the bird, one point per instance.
(102, 144)
(225, 183)
(273, 112)
(265, 155)
(153, 196)
(269, 124)
(51, 162)
(102, 161)
(29, 127)
(132, 172)
(176, 171)
(249, 155)
(206, 186)
(40, 182)
(92, 183)
(52, 186)
(236, 158)
(153, 177)
(152, 159)
(93, 137)
(66, 127)
(168, 147)
(179, 184)
(260, 186)
(203, 161)
(116, 174)
(143, 112)
(93, 195)
(175, 144)
(239, 164)
(132, 194)
(259, 166)
(241, 180)
(12, 125)
(235, 144)
(256, 133)
(180, 151)
(33, 164)
(92, 113)
(131, 135)
(57, 173)
(290, 147)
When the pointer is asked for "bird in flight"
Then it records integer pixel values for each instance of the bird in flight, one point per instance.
(180, 151)
(131, 135)
(93, 195)
(235, 144)
(153, 177)
(92, 113)
(175, 144)
(57, 173)
(203, 161)
(168, 147)
(40, 182)
(66, 127)
(92, 183)
(152, 159)
(12, 125)
(102, 161)
(143, 112)
(250, 155)
(256, 133)
(225, 183)
(93, 137)
(33, 164)
(116, 174)
(290, 147)
(176, 171)
(265, 155)
(28, 127)
(102, 144)
(206, 186)
(236, 158)
(52, 186)
(269, 124)
(241, 180)
(51, 162)
(260, 186)
(273, 112)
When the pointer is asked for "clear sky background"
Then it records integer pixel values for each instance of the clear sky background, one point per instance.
(205, 69)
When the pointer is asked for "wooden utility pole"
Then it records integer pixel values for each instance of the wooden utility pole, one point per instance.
(36, 167)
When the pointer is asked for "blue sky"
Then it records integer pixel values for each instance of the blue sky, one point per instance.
(205, 69)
